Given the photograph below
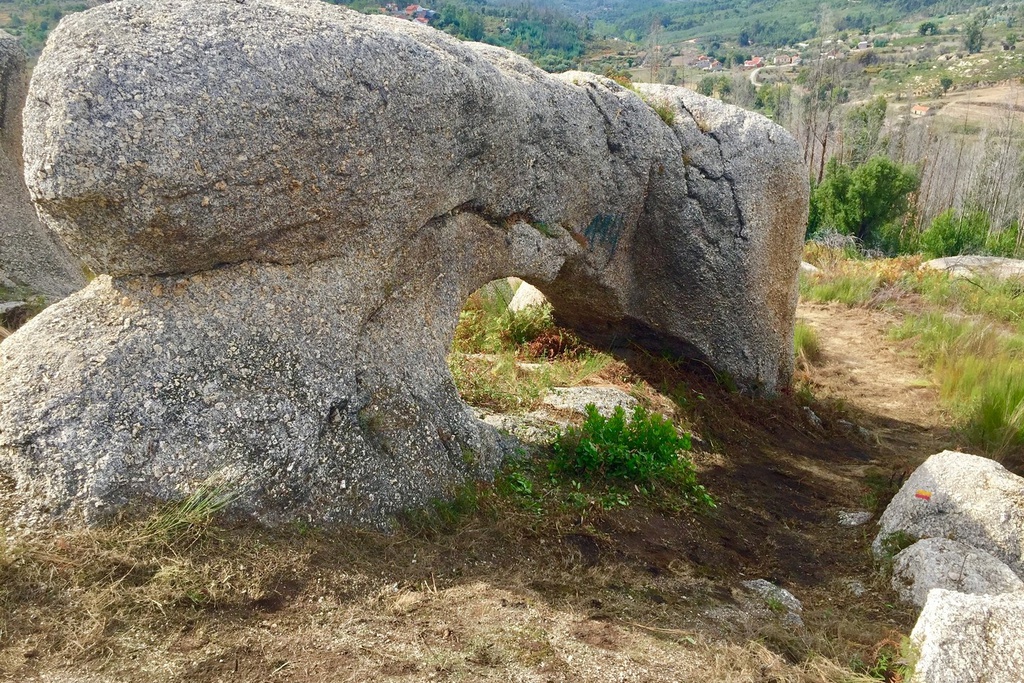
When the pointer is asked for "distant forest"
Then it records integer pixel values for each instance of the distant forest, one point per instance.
(555, 34)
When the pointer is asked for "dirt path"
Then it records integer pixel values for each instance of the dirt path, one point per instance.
(881, 383)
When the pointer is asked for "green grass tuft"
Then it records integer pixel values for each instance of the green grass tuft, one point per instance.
(806, 344)
(979, 368)
(850, 288)
(189, 518)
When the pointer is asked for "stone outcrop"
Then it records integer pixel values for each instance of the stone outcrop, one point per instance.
(963, 638)
(31, 262)
(973, 266)
(963, 497)
(291, 202)
(942, 563)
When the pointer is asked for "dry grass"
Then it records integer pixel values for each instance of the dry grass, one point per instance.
(533, 578)
(499, 595)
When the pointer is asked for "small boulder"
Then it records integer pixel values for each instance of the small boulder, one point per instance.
(854, 517)
(527, 295)
(575, 399)
(778, 598)
(808, 268)
(962, 497)
(942, 563)
(963, 638)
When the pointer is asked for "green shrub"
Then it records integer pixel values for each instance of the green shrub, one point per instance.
(525, 325)
(952, 233)
(640, 450)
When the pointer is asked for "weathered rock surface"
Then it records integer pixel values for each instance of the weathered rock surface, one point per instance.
(291, 131)
(942, 563)
(963, 638)
(295, 200)
(973, 266)
(31, 262)
(964, 498)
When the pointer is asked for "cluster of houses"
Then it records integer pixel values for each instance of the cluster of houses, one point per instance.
(705, 63)
(783, 59)
(416, 13)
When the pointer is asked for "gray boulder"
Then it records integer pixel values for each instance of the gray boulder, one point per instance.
(778, 598)
(294, 200)
(963, 638)
(291, 131)
(961, 497)
(576, 399)
(942, 563)
(31, 262)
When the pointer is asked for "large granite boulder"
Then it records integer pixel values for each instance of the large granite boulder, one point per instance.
(294, 200)
(31, 261)
(961, 497)
(963, 638)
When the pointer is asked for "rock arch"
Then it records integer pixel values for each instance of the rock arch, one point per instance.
(291, 202)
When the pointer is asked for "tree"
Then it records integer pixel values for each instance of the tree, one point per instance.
(974, 32)
(946, 83)
(928, 28)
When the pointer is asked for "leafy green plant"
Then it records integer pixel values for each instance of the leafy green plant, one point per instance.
(862, 200)
(640, 450)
